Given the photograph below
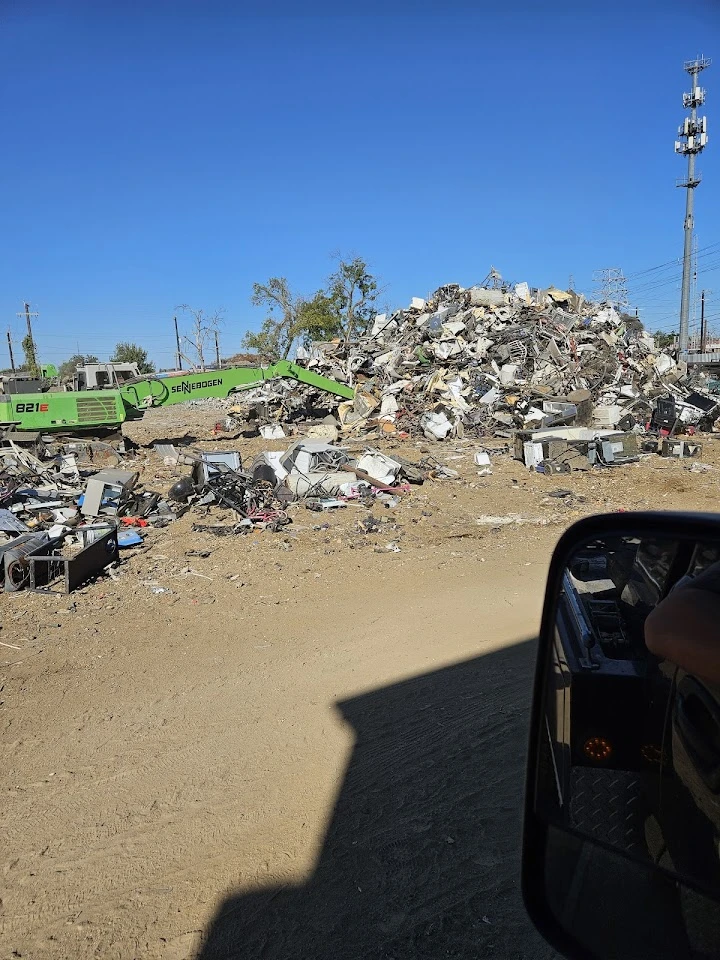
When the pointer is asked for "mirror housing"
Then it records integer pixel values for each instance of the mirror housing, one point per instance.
(590, 894)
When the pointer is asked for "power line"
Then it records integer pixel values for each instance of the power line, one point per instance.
(652, 283)
(676, 261)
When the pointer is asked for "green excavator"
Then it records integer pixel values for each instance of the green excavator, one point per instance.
(105, 409)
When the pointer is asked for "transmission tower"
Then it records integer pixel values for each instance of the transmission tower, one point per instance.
(693, 138)
(612, 287)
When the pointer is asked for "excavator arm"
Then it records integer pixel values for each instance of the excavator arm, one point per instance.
(285, 368)
(162, 391)
(85, 410)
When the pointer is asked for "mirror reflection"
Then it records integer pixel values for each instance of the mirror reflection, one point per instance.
(618, 908)
(631, 754)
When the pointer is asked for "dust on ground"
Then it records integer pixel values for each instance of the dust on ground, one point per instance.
(310, 744)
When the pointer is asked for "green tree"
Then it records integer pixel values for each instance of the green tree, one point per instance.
(353, 292)
(30, 351)
(344, 308)
(664, 340)
(318, 318)
(126, 352)
(67, 370)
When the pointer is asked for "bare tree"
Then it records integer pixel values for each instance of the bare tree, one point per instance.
(202, 330)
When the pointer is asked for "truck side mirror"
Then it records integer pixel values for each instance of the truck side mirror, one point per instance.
(621, 841)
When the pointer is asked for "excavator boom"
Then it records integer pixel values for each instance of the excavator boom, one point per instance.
(163, 391)
(104, 409)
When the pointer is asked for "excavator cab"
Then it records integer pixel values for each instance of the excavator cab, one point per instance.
(104, 376)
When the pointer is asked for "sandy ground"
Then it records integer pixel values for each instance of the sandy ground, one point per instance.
(308, 746)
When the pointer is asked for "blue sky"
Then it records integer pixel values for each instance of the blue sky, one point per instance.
(158, 153)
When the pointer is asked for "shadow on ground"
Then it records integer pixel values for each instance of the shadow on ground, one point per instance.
(421, 857)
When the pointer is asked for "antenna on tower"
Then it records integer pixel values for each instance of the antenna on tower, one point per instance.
(693, 140)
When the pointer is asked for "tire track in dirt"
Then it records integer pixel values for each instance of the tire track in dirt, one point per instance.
(174, 785)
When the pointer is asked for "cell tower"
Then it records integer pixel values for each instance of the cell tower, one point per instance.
(693, 139)
(612, 287)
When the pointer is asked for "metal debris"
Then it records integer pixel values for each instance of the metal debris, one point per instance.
(488, 362)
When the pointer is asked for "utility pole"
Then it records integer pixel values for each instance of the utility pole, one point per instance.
(217, 350)
(178, 355)
(28, 315)
(703, 328)
(693, 284)
(28, 343)
(10, 351)
(693, 139)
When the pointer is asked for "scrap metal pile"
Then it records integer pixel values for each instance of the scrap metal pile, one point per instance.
(565, 383)
(68, 508)
(321, 475)
(490, 362)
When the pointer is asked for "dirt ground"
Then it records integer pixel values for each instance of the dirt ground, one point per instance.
(309, 745)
